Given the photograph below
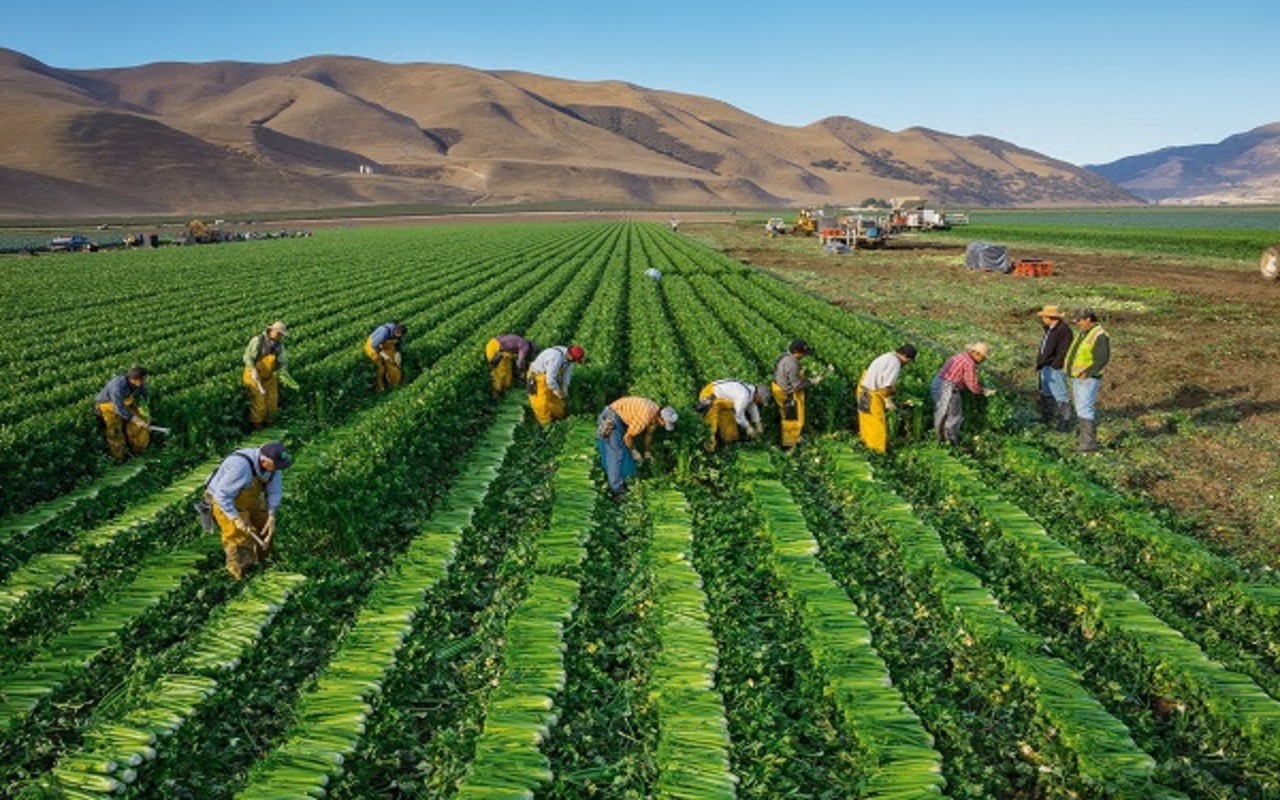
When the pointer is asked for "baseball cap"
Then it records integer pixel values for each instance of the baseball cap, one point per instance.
(669, 417)
(276, 452)
(577, 354)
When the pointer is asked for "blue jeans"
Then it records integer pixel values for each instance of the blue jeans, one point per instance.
(1054, 382)
(615, 457)
(1084, 392)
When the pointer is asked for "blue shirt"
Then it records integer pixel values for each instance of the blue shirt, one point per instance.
(235, 474)
(117, 390)
(381, 334)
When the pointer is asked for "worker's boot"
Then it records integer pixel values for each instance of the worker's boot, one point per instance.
(1064, 417)
(1046, 409)
(1088, 436)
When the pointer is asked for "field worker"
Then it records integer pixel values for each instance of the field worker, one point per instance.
(959, 373)
(265, 368)
(121, 407)
(875, 392)
(616, 430)
(789, 385)
(729, 406)
(548, 382)
(1054, 402)
(507, 356)
(653, 274)
(245, 492)
(1088, 355)
(383, 349)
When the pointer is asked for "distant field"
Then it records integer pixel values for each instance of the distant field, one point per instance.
(1257, 219)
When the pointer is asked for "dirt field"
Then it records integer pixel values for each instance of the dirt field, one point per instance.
(1190, 406)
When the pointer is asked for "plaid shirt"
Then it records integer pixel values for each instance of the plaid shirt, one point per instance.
(962, 370)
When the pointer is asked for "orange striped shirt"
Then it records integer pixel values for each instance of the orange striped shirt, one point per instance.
(639, 413)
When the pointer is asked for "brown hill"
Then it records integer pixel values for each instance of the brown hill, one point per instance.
(336, 131)
(1244, 168)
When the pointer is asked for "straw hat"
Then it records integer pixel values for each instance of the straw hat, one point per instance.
(1050, 312)
(278, 326)
(979, 348)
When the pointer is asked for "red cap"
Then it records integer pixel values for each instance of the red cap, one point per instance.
(577, 354)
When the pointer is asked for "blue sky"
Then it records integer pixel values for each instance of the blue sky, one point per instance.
(1085, 81)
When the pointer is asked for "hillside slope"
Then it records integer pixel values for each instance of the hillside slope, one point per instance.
(1244, 168)
(338, 131)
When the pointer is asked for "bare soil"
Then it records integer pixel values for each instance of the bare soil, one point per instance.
(1190, 406)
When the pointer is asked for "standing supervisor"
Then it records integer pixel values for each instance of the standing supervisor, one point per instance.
(1055, 404)
(1090, 351)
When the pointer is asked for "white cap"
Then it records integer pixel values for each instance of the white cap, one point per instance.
(669, 418)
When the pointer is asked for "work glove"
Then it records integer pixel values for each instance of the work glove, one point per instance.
(398, 359)
(257, 380)
(137, 420)
(648, 455)
(889, 405)
(752, 432)
(988, 392)
(240, 524)
(269, 528)
(636, 455)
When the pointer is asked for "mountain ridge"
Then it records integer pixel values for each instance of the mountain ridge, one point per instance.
(331, 131)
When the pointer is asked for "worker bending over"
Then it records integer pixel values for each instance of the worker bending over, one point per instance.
(875, 393)
(548, 382)
(959, 373)
(121, 407)
(507, 356)
(244, 493)
(265, 367)
(616, 430)
(729, 406)
(383, 349)
(789, 385)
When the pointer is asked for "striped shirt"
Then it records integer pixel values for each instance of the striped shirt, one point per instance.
(640, 414)
(962, 370)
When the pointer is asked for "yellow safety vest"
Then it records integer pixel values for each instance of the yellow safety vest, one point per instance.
(1080, 356)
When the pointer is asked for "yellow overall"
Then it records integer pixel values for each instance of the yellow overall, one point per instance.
(720, 419)
(262, 407)
(792, 427)
(503, 370)
(546, 405)
(242, 551)
(388, 371)
(118, 432)
(872, 426)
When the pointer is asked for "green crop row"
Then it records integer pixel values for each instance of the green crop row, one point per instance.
(1224, 708)
(903, 760)
(332, 716)
(693, 746)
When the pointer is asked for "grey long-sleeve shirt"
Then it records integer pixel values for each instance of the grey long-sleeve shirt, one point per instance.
(788, 375)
